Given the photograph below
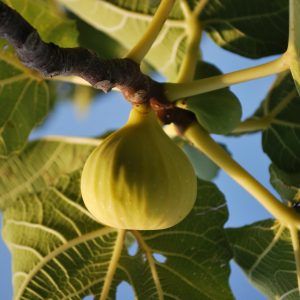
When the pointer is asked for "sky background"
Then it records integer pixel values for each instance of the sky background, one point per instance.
(111, 112)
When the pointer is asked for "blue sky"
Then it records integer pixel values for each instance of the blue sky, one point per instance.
(103, 116)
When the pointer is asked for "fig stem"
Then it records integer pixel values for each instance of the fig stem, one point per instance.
(296, 248)
(140, 50)
(176, 91)
(252, 125)
(194, 33)
(293, 29)
(262, 123)
(148, 251)
(202, 140)
(113, 264)
(200, 7)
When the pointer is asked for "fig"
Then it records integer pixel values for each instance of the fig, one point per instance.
(138, 178)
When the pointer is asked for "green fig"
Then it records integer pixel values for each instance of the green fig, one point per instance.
(138, 178)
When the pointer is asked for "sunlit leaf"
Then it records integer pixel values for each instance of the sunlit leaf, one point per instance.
(126, 21)
(41, 165)
(264, 251)
(25, 98)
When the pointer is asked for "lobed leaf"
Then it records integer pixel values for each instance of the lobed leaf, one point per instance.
(264, 252)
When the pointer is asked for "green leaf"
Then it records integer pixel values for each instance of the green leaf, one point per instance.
(205, 169)
(253, 28)
(286, 184)
(294, 42)
(24, 102)
(41, 165)
(126, 21)
(101, 43)
(217, 111)
(60, 252)
(196, 251)
(49, 21)
(25, 99)
(281, 140)
(264, 251)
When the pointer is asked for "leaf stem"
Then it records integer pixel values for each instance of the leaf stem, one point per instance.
(194, 33)
(202, 140)
(252, 124)
(296, 249)
(151, 262)
(140, 50)
(293, 10)
(175, 91)
(199, 7)
(113, 264)
(258, 124)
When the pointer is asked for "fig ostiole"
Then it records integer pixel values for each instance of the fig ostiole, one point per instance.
(138, 178)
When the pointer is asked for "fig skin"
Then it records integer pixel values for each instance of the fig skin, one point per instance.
(138, 178)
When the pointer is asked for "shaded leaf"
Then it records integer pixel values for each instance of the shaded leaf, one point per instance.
(204, 167)
(255, 28)
(60, 252)
(294, 42)
(196, 252)
(126, 21)
(25, 98)
(264, 251)
(217, 111)
(281, 140)
(286, 184)
(41, 165)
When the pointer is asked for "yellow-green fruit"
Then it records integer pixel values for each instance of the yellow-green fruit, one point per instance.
(137, 178)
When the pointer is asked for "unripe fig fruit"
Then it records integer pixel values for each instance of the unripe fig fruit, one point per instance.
(138, 178)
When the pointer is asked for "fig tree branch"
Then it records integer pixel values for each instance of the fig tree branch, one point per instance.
(124, 74)
(51, 60)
